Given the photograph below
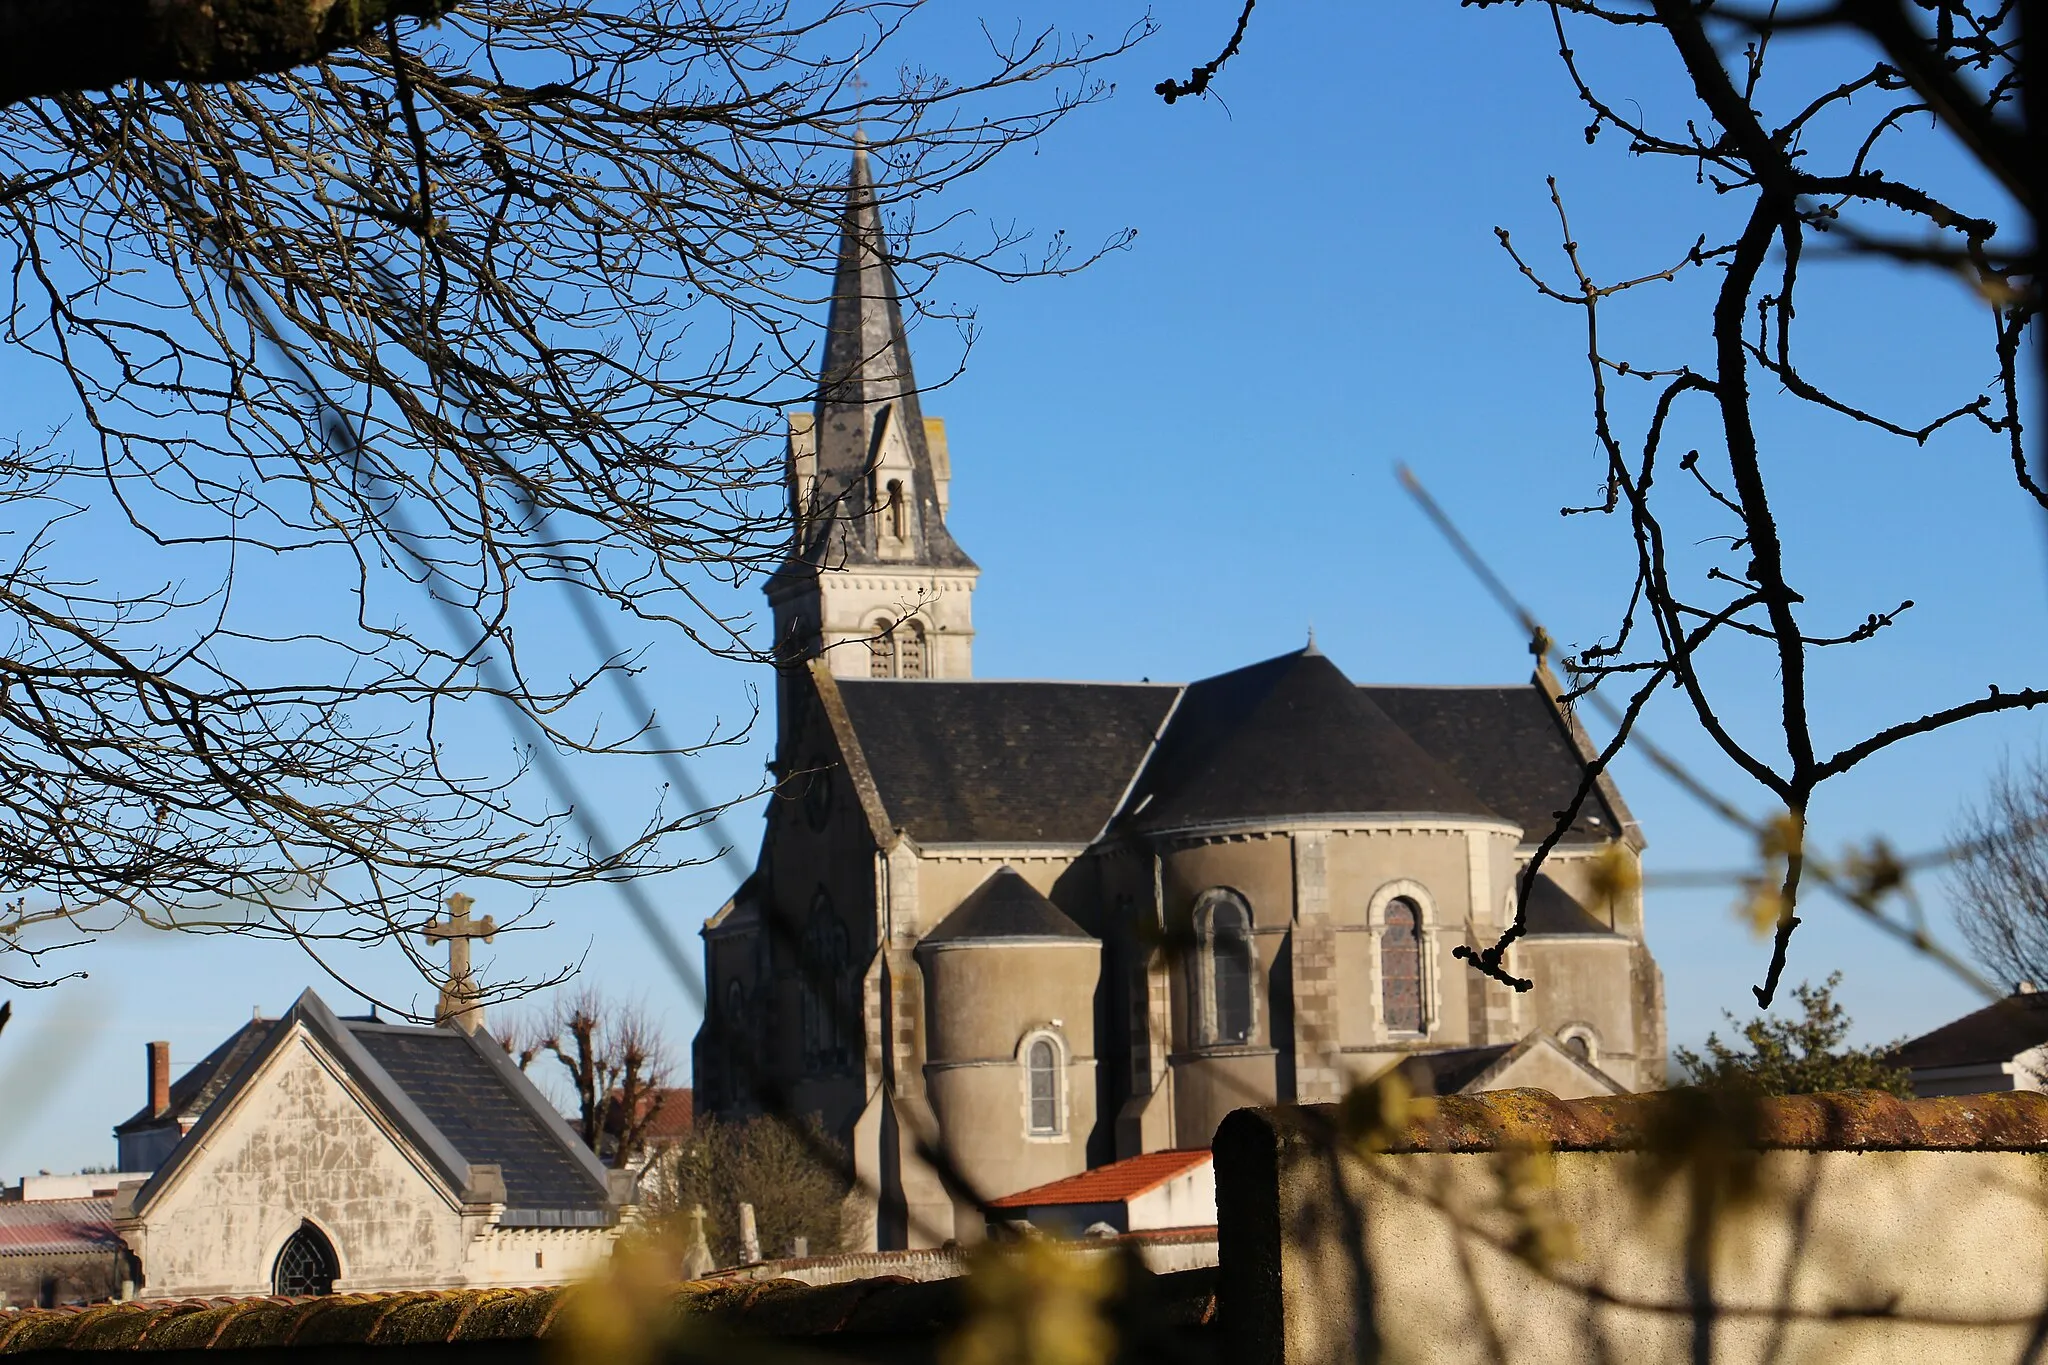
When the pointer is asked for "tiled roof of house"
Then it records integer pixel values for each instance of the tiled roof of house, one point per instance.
(869, 1313)
(1005, 906)
(1003, 762)
(192, 1092)
(1111, 1184)
(673, 1119)
(57, 1227)
(1999, 1032)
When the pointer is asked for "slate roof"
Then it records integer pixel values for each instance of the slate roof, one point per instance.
(57, 1227)
(1508, 745)
(1005, 906)
(865, 384)
(1112, 1184)
(1450, 1070)
(1290, 736)
(445, 1073)
(192, 1092)
(1997, 1033)
(965, 761)
(457, 1099)
(1003, 762)
(1554, 910)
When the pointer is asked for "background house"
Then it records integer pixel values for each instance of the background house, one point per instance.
(2003, 1046)
(56, 1249)
(1149, 1193)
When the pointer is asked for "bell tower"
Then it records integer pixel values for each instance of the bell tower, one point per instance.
(874, 581)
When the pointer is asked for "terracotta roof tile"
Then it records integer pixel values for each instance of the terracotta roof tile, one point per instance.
(883, 1307)
(1851, 1121)
(57, 1227)
(1111, 1184)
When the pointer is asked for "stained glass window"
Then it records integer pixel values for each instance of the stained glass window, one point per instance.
(306, 1265)
(1401, 967)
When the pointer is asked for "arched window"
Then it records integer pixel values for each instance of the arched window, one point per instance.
(882, 651)
(1581, 1043)
(1042, 1076)
(1223, 930)
(306, 1265)
(910, 651)
(899, 514)
(1401, 966)
(823, 987)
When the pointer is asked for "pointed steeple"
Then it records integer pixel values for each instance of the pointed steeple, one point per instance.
(874, 583)
(875, 496)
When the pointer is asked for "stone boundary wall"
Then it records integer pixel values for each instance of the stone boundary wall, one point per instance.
(1162, 1252)
(1515, 1227)
(889, 1320)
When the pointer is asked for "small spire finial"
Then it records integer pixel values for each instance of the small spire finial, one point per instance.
(1310, 647)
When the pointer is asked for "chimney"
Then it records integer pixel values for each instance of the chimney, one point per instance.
(159, 1079)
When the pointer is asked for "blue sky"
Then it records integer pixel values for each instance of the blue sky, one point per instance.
(1182, 460)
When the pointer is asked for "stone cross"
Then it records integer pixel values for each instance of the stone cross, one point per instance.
(697, 1262)
(459, 1004)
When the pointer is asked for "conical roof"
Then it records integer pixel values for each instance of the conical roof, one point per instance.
(1285, 738)
(867, 396)
(1005, 906)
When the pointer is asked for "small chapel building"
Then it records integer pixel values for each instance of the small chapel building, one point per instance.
(317, 1153)
(1051, 925)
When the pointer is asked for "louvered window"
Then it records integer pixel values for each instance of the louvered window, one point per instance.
(910, 651)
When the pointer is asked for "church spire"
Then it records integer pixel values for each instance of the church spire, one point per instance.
(875, 493)
(875, 583)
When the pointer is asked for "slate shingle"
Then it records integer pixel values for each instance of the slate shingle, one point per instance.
(463, 1096)
(1997, 1033)
(1003, 762)
(1005, 906)
(1506, 744)
(1291, 736)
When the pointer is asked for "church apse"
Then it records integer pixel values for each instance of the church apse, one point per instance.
(1081, 921)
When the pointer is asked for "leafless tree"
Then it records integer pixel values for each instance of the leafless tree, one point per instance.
(1805, 164)
(457, 314)
(617, 1063)
(2001, 874)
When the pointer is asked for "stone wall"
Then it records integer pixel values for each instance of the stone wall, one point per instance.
(1515, 1227)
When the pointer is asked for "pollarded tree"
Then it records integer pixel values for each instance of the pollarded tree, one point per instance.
(358, 336)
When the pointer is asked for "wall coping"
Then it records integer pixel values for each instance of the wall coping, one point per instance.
(1849, 1121)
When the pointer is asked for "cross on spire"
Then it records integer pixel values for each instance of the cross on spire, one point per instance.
(460, 1002)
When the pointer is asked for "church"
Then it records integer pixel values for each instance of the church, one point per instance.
(1043, 926)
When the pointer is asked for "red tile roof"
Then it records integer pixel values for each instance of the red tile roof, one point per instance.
(57, 1227)
(1111, 1184)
